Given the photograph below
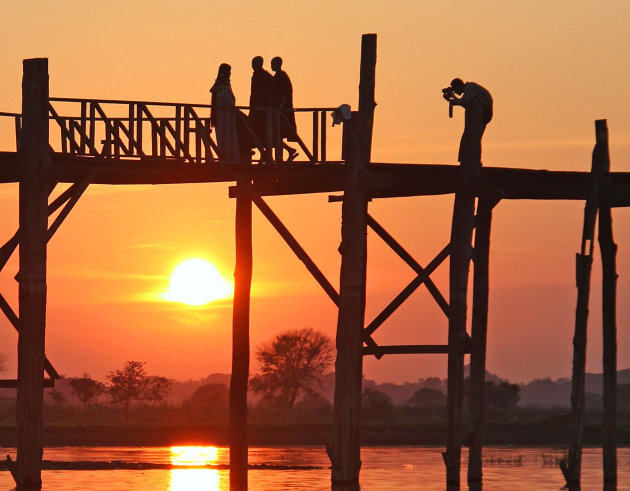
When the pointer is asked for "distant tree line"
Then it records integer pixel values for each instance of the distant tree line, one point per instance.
(294, 373)
(126, 386)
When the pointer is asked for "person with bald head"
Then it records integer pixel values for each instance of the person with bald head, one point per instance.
(260, 101)
(283, 100)
(477, 102)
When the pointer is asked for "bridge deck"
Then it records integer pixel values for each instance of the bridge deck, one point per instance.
(386, 179)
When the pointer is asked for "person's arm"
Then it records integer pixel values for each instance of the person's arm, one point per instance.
(455, 101)
(470, 89)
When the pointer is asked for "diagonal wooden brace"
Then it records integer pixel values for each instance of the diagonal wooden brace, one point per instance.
(69, 197)
(15, 322)
(423, 274)
(408, 290)
(305, 258)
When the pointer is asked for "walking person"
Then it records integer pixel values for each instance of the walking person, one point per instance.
(260, 101)
(283, 100)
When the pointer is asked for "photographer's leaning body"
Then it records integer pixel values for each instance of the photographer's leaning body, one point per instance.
(478, 104)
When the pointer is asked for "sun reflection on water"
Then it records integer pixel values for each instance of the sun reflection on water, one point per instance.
(196, 479)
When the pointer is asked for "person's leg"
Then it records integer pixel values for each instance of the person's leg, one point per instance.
(293, 153)
(470, 145)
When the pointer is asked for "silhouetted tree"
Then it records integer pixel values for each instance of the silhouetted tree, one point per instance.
(376, 405)
(425, 397)
(156, 389)
(127, 384)
(209, 395)
(209, 402)
(502, 396)
(291, 364)
(57, 397)
(86, 389)
(433, 383)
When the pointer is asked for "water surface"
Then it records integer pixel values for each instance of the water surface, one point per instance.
(384, 468)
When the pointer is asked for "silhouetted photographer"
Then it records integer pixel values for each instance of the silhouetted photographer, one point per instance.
(478, 104)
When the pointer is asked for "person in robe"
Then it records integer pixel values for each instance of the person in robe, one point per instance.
(283, 100)
(223, 116)
(260, 101)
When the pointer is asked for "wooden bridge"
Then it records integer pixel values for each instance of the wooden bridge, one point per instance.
(83, 142)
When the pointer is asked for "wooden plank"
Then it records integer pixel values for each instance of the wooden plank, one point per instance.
(608, 250)
(240, 339)
(13, 383)
(386, 180)
(33, 221)
(344, 451)
(408, 349)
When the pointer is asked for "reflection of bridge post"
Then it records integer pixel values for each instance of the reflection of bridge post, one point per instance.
(33, 220)
(240, 338)
(344, 452)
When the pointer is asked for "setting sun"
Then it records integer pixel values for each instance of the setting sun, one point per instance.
(197, 282)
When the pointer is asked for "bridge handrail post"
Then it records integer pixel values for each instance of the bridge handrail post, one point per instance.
(323, 137)
(315, 135)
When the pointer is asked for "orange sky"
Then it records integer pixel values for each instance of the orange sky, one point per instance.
(552, 67)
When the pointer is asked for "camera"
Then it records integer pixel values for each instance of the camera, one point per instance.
(449, 94)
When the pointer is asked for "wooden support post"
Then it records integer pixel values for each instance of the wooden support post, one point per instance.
(461, 253)
(33, 221)
(479, 330)
(608, 250)
(240, 338)
(344, 452)
(571, 468)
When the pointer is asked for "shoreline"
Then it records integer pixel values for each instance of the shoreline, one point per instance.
(135, 434)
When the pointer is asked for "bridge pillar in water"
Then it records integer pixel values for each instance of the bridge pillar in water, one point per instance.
(458, 339)
(608, 250)
(479, 328)
(34, 161)
(240, 338)
(344, 452)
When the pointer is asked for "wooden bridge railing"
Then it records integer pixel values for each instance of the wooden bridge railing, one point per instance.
(138, 130)
(17, 124)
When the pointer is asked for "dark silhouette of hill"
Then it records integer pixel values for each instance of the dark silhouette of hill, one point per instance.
(542, 393)
(548, 393)
(182, 390)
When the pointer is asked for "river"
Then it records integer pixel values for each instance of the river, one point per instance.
(306, 468)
